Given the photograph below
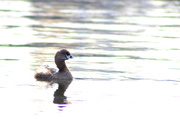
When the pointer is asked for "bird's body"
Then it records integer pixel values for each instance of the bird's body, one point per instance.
(61, 76)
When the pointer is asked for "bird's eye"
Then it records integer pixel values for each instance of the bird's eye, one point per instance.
(67, 53)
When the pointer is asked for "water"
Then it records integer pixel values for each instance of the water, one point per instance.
(126, 62)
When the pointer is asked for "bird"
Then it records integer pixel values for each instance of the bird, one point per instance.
(62, 76)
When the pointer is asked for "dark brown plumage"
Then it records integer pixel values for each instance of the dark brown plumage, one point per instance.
(62, 76)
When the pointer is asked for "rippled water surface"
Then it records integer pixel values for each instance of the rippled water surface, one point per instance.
(126, 57)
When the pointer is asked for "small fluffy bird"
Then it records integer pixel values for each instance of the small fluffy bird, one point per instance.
(62, 76)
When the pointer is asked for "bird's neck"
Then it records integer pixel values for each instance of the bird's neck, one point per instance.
(61, 65)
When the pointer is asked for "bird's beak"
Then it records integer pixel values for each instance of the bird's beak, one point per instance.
(69, 57)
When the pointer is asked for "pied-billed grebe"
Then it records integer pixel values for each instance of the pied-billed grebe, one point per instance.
(62, 76)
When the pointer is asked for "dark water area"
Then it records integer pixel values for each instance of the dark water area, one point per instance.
(120, 47)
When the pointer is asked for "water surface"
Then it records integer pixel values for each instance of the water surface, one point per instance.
(125, 56)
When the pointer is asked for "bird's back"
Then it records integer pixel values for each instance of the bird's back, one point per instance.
(45, 73)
